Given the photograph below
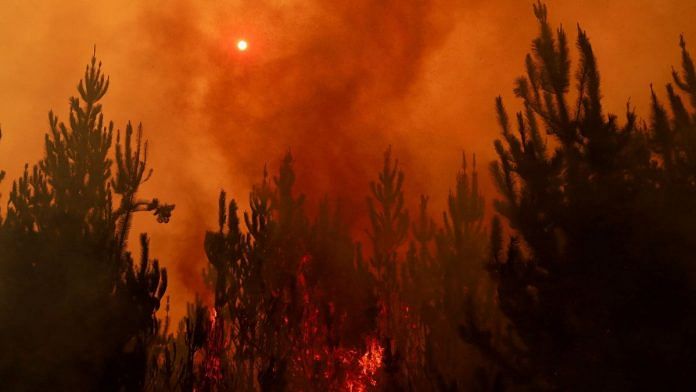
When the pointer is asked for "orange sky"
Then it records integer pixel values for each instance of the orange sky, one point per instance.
(334, 81)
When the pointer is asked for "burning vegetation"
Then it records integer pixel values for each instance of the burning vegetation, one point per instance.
(583, 280)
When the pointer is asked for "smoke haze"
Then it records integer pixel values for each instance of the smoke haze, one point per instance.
(334, 82)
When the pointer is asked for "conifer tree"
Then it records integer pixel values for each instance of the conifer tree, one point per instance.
(389, 230)
(291, 303)
(593, 278)
(467, 304)
(65, 265)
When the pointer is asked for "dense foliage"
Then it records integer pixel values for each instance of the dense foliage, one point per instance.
(598, 278)
(584, 280)
(78, 311)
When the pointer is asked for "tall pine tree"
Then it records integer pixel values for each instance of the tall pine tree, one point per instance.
(79, 311)
(596, 279)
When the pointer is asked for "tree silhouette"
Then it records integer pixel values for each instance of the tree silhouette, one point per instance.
(292, 302)
(82, 310)
(583, 281)
(595, 274)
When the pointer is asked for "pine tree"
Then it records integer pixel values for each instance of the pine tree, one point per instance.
(389, 230)
(82, 311)
(292, 301)
(593, 280)
(468, 304)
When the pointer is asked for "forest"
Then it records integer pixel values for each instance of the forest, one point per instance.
(579, 277)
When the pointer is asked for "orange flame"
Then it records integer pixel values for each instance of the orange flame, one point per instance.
(370, 363)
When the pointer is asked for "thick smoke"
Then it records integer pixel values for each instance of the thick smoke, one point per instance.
(324, 80)
(335, 82)
(326, 85)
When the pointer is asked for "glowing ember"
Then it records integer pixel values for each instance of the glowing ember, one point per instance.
(331, 367)
(212, 366)
(371, 361)
(242, 45)
(369, 364)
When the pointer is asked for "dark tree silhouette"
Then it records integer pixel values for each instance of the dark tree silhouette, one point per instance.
(81, 313)
(583, 281)
(598, 277)
(292, 302)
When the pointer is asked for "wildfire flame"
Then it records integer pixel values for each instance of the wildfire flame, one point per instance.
(369, 364)
(212, 367)
(371, 361)
(342, 368)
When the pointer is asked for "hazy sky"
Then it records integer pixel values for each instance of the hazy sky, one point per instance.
(335, 82)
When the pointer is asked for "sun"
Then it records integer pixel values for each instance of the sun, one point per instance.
(242, 45)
